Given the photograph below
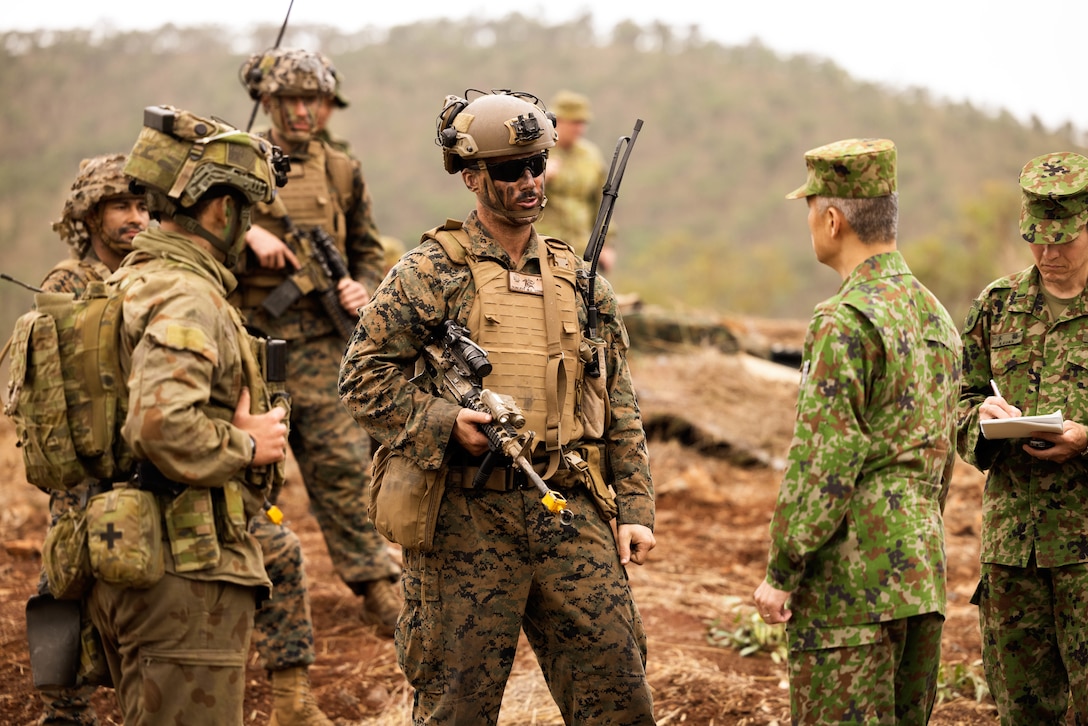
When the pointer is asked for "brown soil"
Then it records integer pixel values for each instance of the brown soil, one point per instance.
(720, 426)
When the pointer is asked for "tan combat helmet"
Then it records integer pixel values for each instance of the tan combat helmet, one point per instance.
(99, 178)
(500, 123)
(179, 156)
(490, 126)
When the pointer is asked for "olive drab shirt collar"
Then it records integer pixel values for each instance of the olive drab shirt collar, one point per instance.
(157, 242)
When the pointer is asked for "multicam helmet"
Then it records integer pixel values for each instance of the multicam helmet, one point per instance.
(99, 178)
(500, 123)
(287, 72)
(179, 156)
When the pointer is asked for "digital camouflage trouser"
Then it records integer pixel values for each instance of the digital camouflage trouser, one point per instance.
(503, 563)
(885, 673)
(1034, 624)
(333, 457)
(283, 630)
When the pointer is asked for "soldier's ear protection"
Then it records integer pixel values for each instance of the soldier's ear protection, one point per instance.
(447, 135)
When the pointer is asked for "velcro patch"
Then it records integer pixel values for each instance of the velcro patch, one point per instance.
(186, 338)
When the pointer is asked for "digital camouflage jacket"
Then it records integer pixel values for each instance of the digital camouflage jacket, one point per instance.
(426, 288)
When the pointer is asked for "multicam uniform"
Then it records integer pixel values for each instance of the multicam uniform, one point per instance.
(171, 647)
(325, 188)
(574, 194)
(1034, 526)
(857, 535)
(69, 705)
(501, 562)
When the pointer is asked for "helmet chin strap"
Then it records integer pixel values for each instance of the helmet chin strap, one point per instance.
(235, 241)
(492, 202)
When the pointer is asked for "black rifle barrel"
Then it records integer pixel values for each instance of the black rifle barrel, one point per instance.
(604, 216)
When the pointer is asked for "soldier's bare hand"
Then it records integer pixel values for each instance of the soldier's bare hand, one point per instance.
(771, 603)
(267, 429)
(634, 542)
(1069, 444)
(466, 430)
(997, 407)
(353, 295)
(271, 252)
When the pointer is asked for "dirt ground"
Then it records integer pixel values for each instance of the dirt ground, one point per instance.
(720, 427)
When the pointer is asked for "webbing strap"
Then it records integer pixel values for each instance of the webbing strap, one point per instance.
(556, 373)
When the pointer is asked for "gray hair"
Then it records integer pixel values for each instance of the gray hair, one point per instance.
(874, 220)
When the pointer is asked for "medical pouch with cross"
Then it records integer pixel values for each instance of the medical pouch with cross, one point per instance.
(125, 537)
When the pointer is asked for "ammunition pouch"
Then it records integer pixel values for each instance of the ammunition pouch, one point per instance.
(404, 499)
(197, 519)
(65, 558)
(593, 409)
(124, 538)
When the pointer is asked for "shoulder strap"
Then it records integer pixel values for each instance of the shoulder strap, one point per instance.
(454, 240)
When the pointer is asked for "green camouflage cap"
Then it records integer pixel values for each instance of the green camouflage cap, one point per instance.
(849, 169)
(1054, 201)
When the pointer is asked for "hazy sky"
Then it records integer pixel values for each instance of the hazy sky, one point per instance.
(1023, 57)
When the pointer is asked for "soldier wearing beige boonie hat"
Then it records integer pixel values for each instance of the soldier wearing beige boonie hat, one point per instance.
(849, 169)
(1054, 201)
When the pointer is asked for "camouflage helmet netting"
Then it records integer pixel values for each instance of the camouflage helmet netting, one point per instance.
(99, 177)
(290, 72)
(500, 123)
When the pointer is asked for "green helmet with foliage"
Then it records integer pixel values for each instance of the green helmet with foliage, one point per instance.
(179, 156)
(99, 178)
(287, 72)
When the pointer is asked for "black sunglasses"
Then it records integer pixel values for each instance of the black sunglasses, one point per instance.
(511, 171)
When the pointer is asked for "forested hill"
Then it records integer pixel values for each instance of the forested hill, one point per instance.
(701, 222)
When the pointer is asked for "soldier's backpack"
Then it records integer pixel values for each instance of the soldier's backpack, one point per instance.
(66, 391)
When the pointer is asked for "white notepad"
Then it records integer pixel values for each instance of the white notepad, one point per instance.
(1022, 427)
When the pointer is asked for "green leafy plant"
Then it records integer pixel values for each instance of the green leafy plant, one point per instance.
(961, 679)
(743, 630)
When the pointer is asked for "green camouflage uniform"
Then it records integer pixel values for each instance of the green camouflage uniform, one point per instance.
(501, 562)
(177, 650)
(574, 194)
(1034, 582)
(69, 705)
(332, 452)
(857, 536)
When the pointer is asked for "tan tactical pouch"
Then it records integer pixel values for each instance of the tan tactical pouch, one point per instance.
(404, 500)
(586, 461)
(190, 527)
(65, 559)
(124, 538)
(593, 405)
